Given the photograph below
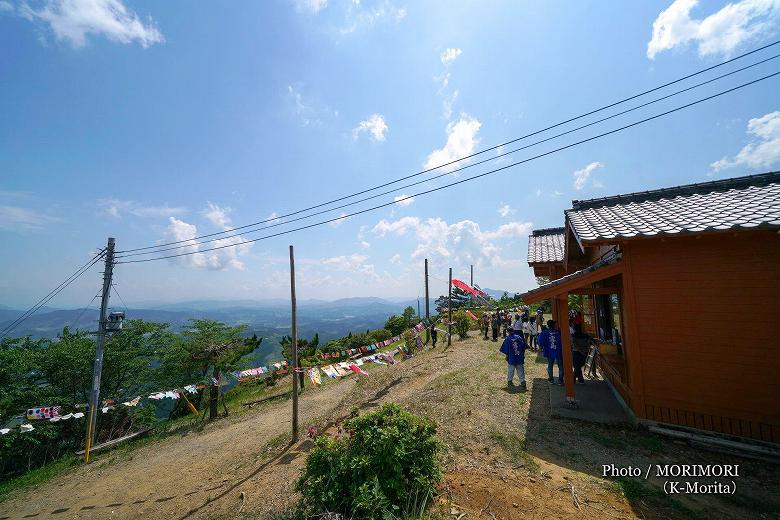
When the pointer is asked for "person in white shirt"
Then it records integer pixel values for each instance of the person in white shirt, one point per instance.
(530, 331)
(517, 325)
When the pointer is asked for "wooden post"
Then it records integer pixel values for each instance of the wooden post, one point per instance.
(294, 347)
(427, 306)
(214, 396)
(449, 313)
(183, 394)
(562, 305)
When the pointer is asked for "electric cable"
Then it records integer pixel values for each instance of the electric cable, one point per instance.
(495, 147)
(490, 172)
(429, 179)
(54, 292)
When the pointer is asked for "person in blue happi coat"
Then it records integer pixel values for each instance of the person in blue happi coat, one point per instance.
(550, 342)
(513, 348)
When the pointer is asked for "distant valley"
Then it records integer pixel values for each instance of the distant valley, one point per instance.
(269, 319)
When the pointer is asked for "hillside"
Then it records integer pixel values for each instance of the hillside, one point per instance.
(505, 457)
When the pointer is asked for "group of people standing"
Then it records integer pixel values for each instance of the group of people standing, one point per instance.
(523, 331)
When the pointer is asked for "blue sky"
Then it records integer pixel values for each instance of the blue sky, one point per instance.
(154, 121)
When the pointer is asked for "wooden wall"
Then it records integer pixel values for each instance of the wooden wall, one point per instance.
(707, 313)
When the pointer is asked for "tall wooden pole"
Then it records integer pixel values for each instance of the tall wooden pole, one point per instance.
(449, 313)
(427, 306)
(94, 397)
(294, 347)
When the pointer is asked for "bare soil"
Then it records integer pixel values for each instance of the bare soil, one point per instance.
(505, 456)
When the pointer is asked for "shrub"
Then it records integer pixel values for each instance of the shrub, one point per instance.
(386, 467)
(461, 322)
(395, 324)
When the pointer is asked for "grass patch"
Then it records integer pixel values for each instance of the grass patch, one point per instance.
(631, 489)
(38, 476)
(515, 446)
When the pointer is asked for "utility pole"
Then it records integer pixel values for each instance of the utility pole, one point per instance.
(427, 306)
(94, 398)
(418, 306)
(449, 317)
(294, 347)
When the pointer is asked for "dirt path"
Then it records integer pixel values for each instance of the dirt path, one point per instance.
(505, 456)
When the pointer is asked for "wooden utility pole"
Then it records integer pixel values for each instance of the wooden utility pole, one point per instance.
(94, 397)
(294, 347)
(449, 313)
(427, 306)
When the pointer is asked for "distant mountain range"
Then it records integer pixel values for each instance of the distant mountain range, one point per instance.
(269, 319)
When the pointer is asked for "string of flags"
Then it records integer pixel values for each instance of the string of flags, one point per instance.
(332, 371)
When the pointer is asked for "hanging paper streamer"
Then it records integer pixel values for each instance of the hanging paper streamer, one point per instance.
(43, 412)
(314, 375)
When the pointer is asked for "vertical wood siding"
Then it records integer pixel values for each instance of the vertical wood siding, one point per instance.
(708, 312)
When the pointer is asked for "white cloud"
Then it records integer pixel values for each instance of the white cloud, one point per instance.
(339, 221)
(447, 103)
(538, 192)
(311, 6)
(463, 242)
(764, 151)
(461, 141)
(450, 55)
(309, 113)
(221, 259)
(364, 244)
(360, 17)
(116, 208)
(581, 176)
(403, 200)
(73, 20)
(375, 125)
(15, 218)
(6, 6)
(717, 34)
(217, 216)
(395, 259)
(355, 263)
(505, 211)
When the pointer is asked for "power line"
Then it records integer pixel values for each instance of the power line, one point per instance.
(496, 147)
(54, 292)
(85, 309)
(577, 143)
(435, 177)
(113, 286)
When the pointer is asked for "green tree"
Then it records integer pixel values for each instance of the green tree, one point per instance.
(461, 323)
(212, 347)
(409, 315)
(395, 324)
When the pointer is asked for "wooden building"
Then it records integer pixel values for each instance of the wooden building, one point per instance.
(682, 287)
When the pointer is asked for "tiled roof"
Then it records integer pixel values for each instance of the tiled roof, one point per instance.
(546, 245)
(742, 202)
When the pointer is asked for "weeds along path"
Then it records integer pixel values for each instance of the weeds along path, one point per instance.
(202, 474)
(167, 478)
